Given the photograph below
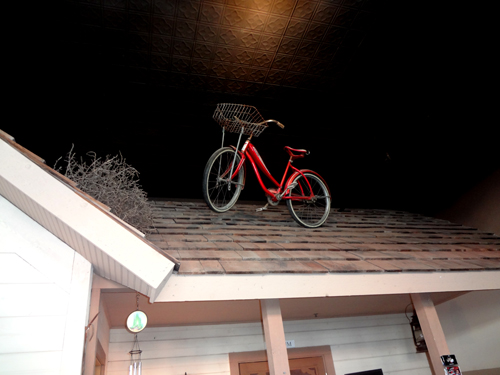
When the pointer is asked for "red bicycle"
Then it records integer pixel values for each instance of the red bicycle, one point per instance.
(305, 192)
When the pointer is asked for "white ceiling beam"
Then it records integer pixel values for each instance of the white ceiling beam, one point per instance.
(269, 286)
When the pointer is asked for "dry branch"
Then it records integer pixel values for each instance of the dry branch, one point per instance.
(113, 182)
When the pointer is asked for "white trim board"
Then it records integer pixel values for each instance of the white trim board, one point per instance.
(243, 287)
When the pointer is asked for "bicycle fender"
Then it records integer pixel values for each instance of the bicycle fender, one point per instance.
(302, 171)
(244, 158)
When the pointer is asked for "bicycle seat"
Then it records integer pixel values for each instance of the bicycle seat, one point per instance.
(296, 153)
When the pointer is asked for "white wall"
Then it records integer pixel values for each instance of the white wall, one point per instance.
(357, 343)
(471, 324)
(44, 297)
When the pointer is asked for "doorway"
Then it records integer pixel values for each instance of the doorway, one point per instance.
(316, 360)
(298, 366)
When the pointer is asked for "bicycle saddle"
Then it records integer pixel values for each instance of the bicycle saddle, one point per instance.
(296, 153)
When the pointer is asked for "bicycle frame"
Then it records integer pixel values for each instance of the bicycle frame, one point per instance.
(248, 151)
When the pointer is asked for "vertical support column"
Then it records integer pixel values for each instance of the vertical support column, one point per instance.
(274, 333)
(432, 330)
(91, 339)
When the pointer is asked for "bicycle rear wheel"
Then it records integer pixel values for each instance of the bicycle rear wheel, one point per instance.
(309, 213)
(219, 193)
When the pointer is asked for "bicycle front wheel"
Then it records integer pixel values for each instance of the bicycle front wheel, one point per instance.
(219, 191)
(309, 213)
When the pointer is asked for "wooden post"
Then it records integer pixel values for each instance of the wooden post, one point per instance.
(432, 330)
(275, 337)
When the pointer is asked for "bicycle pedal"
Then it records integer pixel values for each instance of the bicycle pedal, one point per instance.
(262, 208)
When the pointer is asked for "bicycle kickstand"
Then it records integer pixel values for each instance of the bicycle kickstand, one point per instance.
(262, 208)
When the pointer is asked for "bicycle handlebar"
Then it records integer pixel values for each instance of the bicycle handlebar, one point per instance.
(276, 122)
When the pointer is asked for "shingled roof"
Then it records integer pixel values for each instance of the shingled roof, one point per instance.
(243, 241)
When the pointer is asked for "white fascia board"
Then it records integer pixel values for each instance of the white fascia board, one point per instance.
(244, 287)
(116, 252)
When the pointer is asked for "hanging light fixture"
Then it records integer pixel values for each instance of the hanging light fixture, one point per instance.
(136, 322)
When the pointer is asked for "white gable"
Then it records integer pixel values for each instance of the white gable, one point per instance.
(116, 252)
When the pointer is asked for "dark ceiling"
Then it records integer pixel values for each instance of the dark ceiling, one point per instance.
(392, 97)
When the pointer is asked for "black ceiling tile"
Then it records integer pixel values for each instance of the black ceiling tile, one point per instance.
(164, 8)
(263, 59)
(228, 36)
(296, 28)
(210, 13)
(326, 51)
(139, 22)
(269, 42)
(114, 38)
(334, 35)
(160, 43)
(253, 88)
(115, 3)
(281, 61)
(315, 31)
(160, 61)
(203, 51)
(275, 76)
(235, 86)
(353, 3)
(206, 33)
(292, 79)
(216, 84)
(233, 17)
(137, 75)
(182, 47)
(140, 5)
(283, 7)
(223, 53)
(114, 19)
(325, 12)
(300, 64)
(363, 21)
(159, 77)
(249, 39)
(162, 25)
(353, 38)
(219, 69)
(188, 9)
(237, 72)
(304, 9)
(138, 41)
(276, 25)
(200, 66)
(138, 59)
(344, 17)
(256, 20)
(180, 64)
(244, 56)
(185, 29)
(344, 55)
(257, 75)
(90, 15)
(115, 56)
(307, 48)
(179, 79)
(317, 66)
(288, 45)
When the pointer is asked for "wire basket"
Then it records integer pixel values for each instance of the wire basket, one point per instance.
(234, 117)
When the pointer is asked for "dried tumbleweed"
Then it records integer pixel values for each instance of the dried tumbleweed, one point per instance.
(113, 182)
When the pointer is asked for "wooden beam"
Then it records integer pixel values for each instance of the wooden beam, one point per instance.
(432, 330)
(274, 333)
